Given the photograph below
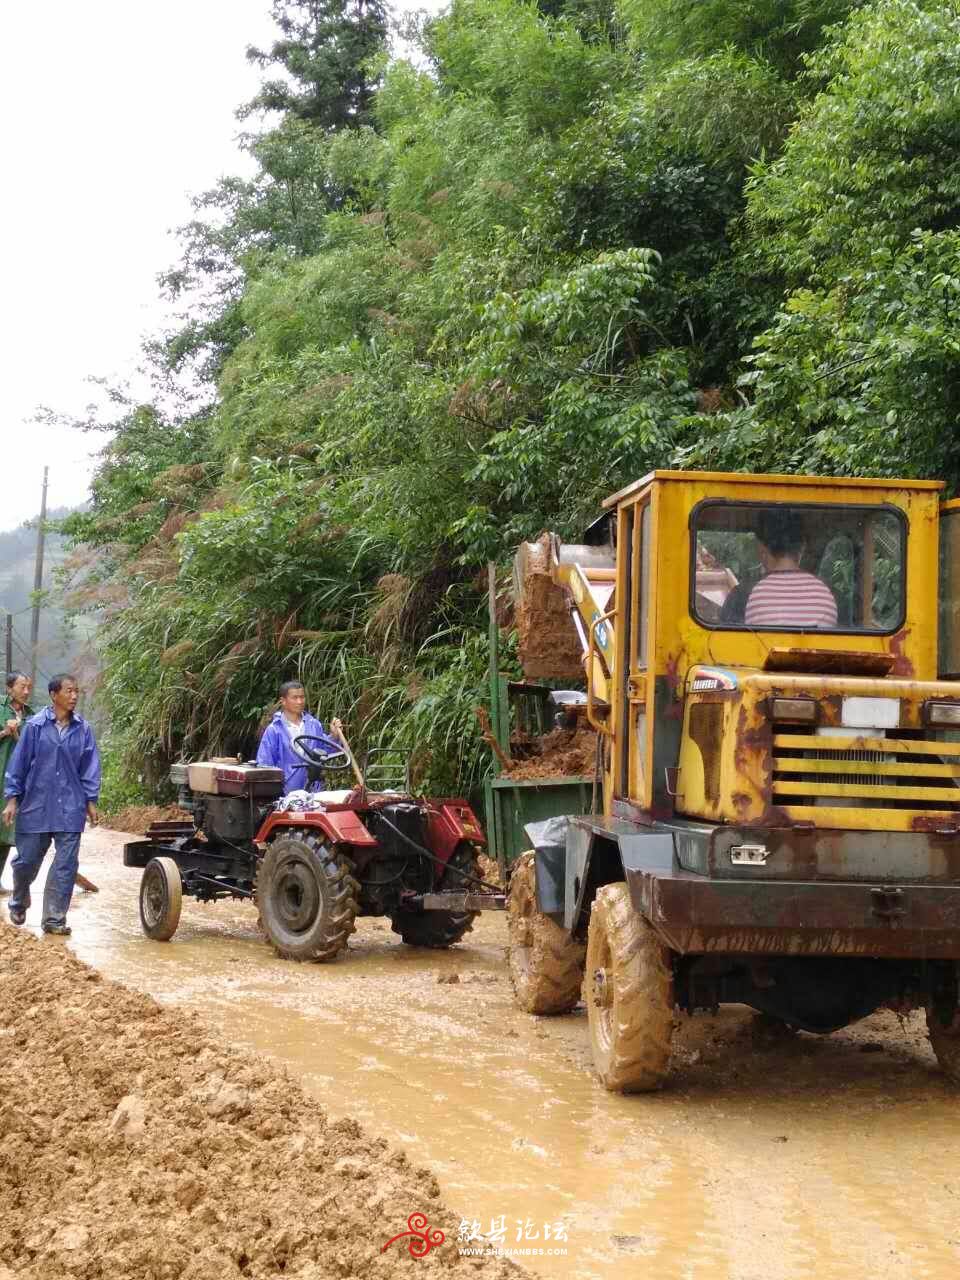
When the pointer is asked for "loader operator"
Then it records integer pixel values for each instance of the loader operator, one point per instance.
(278, 748)
(787, 596)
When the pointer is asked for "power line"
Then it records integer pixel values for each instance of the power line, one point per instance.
(15, 613)
(26, 654)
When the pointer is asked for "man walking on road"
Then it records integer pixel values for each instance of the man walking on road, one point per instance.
(52, 787)
(13, 711)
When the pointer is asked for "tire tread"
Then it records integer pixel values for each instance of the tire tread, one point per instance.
(637, 1058)
(342, 908)
(945, 1042)
(545, 963)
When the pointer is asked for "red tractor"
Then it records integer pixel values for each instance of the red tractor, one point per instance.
(360, 852)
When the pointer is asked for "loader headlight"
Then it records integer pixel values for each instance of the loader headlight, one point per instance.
(793, 710)
(943, 713)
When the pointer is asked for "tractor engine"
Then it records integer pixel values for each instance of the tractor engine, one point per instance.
(228, 801)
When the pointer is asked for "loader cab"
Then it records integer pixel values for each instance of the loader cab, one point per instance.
(739, 599)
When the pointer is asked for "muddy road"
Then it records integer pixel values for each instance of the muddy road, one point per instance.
(771, 1157)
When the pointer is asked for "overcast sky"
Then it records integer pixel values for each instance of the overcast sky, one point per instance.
(115, 113)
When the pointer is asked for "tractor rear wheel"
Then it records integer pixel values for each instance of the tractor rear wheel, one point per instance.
(628, 989)
(161, 899)
(307, 898)
(546, 964)
(943, 1027)
(440, 929)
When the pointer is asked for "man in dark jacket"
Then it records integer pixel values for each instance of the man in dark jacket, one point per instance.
(14, 709)
(278, 748)
(52, 787)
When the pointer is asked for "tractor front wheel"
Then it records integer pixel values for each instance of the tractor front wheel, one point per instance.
(161, 899)
(546, 964)
(628, 989)
(440, 929)
(307, 898)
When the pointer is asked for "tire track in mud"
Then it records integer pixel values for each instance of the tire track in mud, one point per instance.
(835, 1138)
(671, 1229)
(900, 1231)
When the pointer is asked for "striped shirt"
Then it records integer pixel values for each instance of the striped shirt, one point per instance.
(791, 598)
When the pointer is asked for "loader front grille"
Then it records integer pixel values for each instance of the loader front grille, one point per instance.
(912, 771)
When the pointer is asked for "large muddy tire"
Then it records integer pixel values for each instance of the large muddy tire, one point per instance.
(628, 989)
(307, 898)
(943, 1028)
(161, 899)
(441, 929)
(545, 963)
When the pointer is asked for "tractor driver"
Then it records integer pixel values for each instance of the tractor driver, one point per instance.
(787, 596)
(278, 750)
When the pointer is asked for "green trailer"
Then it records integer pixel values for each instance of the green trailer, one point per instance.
(511, 803)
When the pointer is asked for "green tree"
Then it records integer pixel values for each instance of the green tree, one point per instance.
(876, 154)
(321, 156)
(858, 370)
(328, 50)
(583, 393)
(781, 32)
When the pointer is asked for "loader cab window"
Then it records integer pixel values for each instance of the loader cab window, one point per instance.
(798, 567)
(642, 625)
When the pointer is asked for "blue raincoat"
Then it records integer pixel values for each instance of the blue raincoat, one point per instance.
(53, 776)
(276, 750)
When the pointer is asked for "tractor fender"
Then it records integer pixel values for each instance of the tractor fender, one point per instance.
(340, 826)
(449, 823)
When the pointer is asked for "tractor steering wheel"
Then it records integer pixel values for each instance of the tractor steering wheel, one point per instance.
(337, 761)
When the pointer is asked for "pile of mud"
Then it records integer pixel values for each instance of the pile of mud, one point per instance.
(563, 753)
(547, 643)
(136, 818)
(134, 1145)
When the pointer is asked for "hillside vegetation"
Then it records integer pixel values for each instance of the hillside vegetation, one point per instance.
(471, 293)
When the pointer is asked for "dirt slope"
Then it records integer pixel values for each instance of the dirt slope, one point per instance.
(135, 1146)
(136, 818)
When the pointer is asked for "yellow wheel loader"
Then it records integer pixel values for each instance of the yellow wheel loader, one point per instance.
(773, 667)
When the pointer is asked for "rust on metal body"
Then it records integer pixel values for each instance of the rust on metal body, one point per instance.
(935, 823)
(902, 663)
(674, 678)
(697, 914)
(807, 853)
(829, 662)
(706, 719)
(779, 774)
(623, 807)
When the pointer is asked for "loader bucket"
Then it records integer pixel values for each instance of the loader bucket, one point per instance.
(549, 646)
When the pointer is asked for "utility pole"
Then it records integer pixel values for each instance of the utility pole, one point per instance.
(38, 581)
(9, 666)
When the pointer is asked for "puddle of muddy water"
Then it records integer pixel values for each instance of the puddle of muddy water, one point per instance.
(763, 1161)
